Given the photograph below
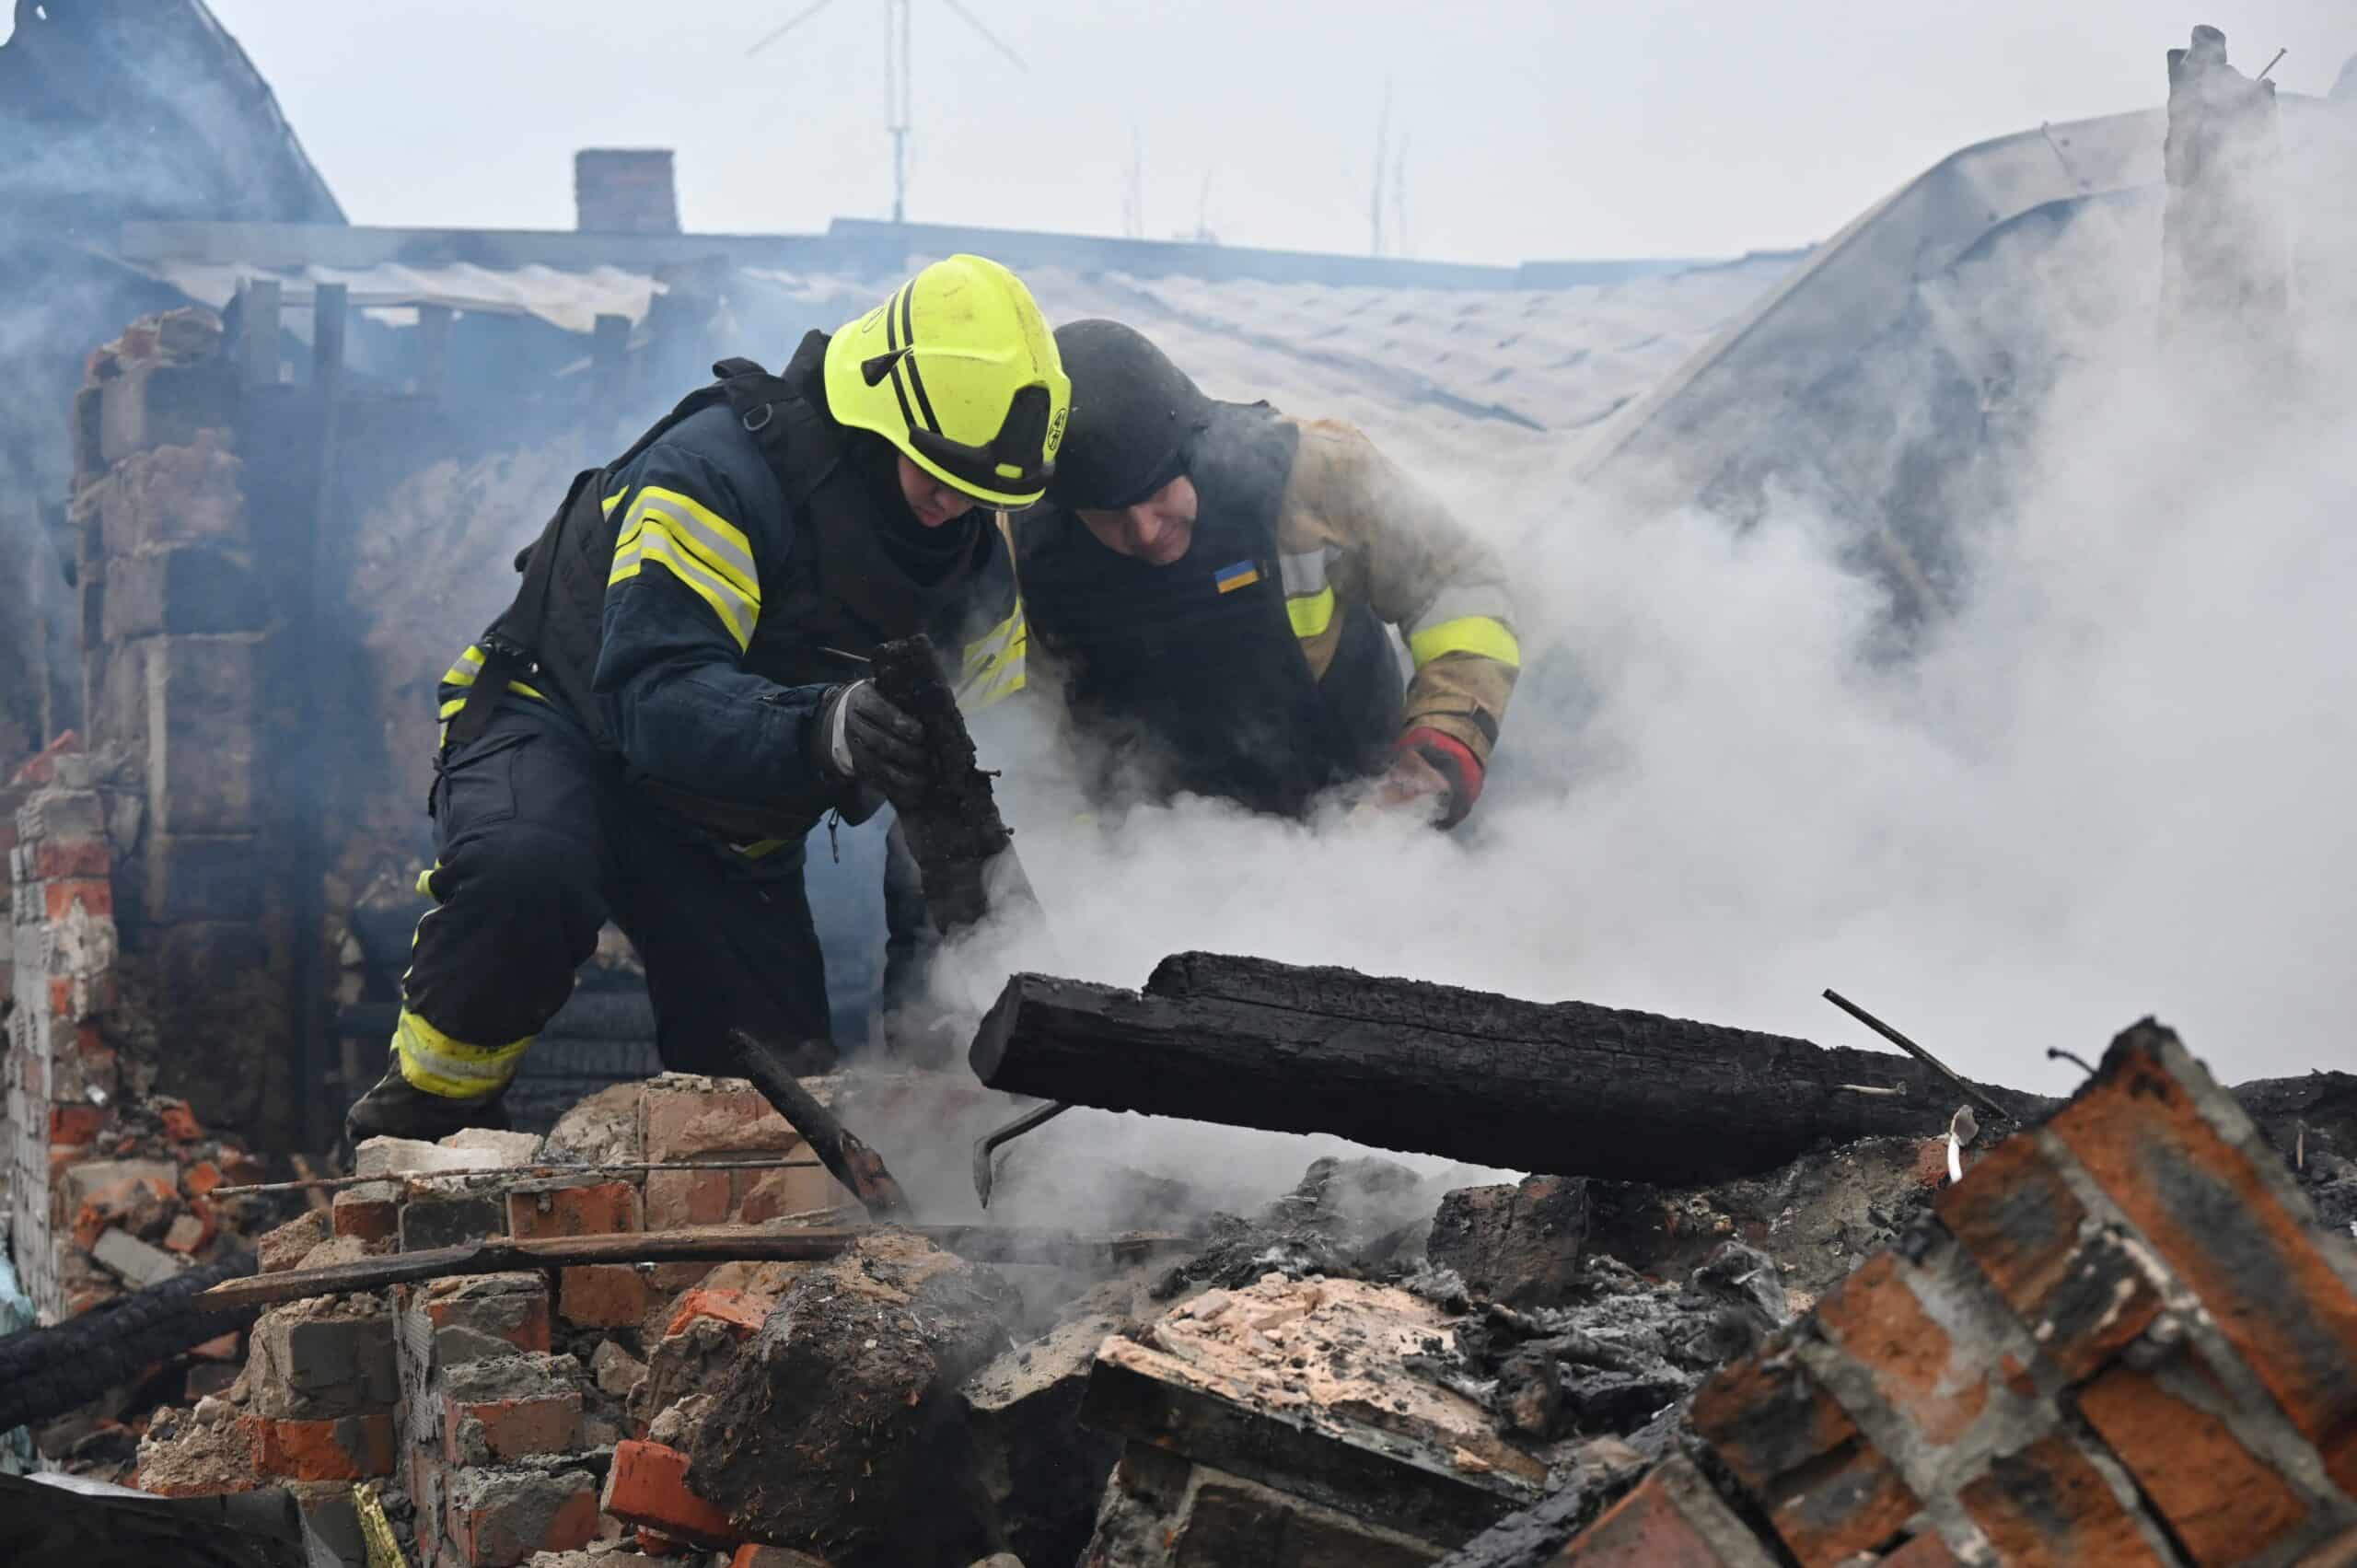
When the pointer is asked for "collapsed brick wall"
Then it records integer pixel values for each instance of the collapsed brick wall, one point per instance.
(497, 1412)
(2122, 1339)
(62, 1077)
(108, 1185)
(180, 608)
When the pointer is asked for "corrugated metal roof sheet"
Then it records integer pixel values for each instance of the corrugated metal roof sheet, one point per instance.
(572, 300)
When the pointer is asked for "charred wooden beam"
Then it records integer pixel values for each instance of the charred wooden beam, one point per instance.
(1567, 1087)
(696, 1244)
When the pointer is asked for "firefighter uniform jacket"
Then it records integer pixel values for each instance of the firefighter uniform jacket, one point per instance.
(691, 604)
(1256, 667)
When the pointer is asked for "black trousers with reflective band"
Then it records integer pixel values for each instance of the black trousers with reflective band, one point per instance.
(538, 842)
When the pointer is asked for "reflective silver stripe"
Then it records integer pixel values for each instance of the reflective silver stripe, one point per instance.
(723, 546)
(434, 1062)
(1460, 602)
(1306, 573)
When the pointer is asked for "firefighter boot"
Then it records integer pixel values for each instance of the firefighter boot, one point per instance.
(399, 1109)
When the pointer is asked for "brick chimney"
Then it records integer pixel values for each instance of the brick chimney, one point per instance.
(624, 191)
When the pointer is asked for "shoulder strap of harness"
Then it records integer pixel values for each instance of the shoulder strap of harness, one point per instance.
(776, 415)
(509, 647)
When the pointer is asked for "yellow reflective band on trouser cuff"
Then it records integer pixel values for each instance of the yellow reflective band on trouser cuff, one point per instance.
(1476, 635)
(1311, 613)
(452, 1069)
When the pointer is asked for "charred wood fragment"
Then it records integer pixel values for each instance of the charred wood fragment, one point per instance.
(847, 1157)
(695, 1243)
(1565, 1089)
(954, 828)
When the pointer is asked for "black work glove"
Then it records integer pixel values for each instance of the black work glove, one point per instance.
(870, 739)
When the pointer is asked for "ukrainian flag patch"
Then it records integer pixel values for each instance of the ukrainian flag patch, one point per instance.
(1243, 575)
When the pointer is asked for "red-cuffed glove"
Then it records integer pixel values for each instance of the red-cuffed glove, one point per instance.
(1429, 766)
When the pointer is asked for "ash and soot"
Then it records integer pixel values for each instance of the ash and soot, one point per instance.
(1091, 1146)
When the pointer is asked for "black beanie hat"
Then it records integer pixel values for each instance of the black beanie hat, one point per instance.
(1133, 413)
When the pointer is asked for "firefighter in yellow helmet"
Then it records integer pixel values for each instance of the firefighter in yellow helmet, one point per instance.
(676, 696)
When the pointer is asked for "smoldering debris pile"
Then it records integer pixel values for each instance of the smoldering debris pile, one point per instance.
(1834, 1360)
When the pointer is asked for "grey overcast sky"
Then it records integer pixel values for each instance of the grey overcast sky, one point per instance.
(1650, 127)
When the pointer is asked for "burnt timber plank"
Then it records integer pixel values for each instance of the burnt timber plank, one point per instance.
(1566, 1088)
(696, 1244)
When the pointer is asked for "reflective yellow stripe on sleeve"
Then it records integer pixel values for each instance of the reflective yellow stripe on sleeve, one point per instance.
(439, 1064)
(702, 550)
(1477, 634)
(992, 667)
(1310, 613)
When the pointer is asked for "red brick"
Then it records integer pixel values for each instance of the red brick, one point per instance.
(2222, 1227)
(75, 1123)
(649, 1486)
(2070, 1283)
(1876, 1316)
(243, 1169)
(199, 1179)
(603, 1295)
(605, 1209)
(221, 1347)
(57, 860)
(2047, 1506)
(2224, 1502)
(180, 1124)
(768, 1194)
(685, 1123)
(41, 767)
(1923, 1551)
(497, 1519)
(546, 1423)
(676, 1199)
(752, 1554)
(1654, 1526)
(118, 1202)
(741, 1310)
(520, 1320)
(365, 1217)
(352, 1448)
(91, 1052)
(94, 894)
(1829, 1492)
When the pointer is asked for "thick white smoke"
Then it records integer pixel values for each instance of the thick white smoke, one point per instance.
(2113, 781)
